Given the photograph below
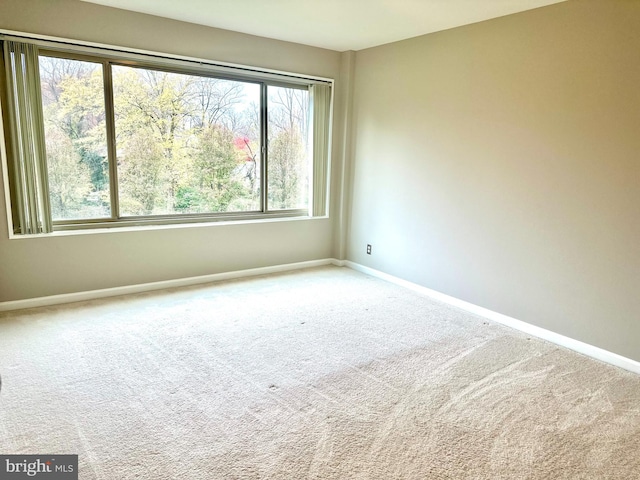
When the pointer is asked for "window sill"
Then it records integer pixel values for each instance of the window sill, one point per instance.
(119, 228)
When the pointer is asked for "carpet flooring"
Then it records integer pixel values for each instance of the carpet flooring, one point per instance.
(316, 374)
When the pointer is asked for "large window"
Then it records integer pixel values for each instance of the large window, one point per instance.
(104, 139)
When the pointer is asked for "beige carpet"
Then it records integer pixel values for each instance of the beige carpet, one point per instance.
(316, 374)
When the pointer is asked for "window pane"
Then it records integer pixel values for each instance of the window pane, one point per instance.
(288, 156)
(185, 143)
(75, 138)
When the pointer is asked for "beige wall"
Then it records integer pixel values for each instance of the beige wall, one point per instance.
(500, 163)
(45, 266)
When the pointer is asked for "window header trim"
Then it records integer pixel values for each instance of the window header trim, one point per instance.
(164, 60)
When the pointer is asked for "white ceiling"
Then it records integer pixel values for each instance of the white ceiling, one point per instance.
(335, 24)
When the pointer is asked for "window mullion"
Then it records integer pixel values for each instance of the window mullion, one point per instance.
(111, 139)
(264, 148)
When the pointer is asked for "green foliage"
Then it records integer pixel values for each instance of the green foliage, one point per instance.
(189, 200)
(140, 172)
(74, 115)
(217, 159)
(288, 161)
(80, 108)
(193, 165)
(69, 178)
(185, 144)
(286, 170)
(98, 166)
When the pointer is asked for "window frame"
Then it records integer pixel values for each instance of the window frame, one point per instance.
(112, 56)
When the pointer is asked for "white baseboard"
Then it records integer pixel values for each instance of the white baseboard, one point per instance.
(146, 287)
(548, 335)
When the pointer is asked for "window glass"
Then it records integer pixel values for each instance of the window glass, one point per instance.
(185, 144)
(75, 138)
(289, 159)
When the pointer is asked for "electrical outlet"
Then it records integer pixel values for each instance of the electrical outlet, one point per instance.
(368, 249)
